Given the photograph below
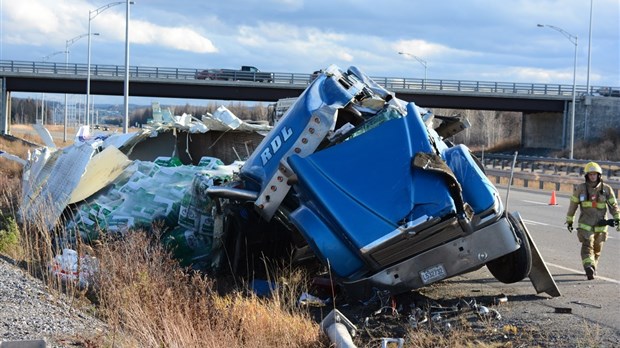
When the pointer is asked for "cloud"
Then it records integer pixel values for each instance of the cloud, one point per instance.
(483, 40)
(34, 22)
(112, 27)
(425, 50)
(40, 22)
(289, 5)
(180, 38)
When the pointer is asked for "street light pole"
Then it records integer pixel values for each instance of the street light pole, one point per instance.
(588, 93)
(573, 40)
(67, 45)
(420, 60)
(126, 84)
(589, 50)
(91, 15)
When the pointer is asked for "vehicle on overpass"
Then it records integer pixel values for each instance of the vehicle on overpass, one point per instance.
(246, 73)
(369, 185)
(608, 92)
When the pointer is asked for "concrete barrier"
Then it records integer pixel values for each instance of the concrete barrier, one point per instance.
(545, 182)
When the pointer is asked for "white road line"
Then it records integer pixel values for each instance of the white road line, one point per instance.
(531, 222)
(534, 202)
(535, 222)
(582, 273)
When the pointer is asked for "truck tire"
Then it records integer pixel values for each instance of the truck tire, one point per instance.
(513, 267)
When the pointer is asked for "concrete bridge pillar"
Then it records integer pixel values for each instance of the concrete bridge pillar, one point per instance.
(544, 130)
(5, 108)
(551, 130)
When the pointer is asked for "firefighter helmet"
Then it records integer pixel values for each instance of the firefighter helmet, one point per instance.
(592, 167)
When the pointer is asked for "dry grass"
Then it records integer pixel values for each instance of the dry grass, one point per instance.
(28, 133)
(607, 148)
(144, 295)
(9, 168)
(10, 193)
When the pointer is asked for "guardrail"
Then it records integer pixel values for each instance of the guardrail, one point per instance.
(548, 165)
(544, 173)
(546, 182)
(391, 83)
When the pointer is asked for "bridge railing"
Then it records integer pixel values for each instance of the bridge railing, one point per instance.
(391, 83)
(478, 86)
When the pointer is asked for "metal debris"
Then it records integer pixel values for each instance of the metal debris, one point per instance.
(386, 341)
(339, 329)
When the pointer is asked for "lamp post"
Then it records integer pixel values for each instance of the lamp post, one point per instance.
(420, 60)
(91, 15)
(573, 40)
(126, 84)
(589, 50)
(587, 111)
(67, 45)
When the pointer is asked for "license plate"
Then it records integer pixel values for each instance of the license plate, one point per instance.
(433, 274)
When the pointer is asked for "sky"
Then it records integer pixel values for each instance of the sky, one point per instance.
(474, 40)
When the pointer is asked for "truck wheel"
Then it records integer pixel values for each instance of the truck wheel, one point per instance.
(513, 267)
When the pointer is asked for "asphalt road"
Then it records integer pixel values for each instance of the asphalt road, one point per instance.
(593, 304)
(561, 252)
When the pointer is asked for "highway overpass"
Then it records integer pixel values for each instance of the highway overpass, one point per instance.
(544, 106)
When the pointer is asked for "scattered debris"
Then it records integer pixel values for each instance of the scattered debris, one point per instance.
(339, 329)
(263, 288)
(68, 266)
(309, 300)
(501, 299)
(387, 342)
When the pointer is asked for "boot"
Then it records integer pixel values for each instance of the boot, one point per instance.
(590, 272)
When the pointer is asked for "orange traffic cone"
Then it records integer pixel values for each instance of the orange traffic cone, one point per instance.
(553, 201)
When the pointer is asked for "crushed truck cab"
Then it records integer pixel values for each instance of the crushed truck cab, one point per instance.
(375, 190)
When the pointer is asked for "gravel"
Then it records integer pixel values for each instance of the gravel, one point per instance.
(30, 311)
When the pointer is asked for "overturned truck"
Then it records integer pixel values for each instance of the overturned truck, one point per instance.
(368, 184)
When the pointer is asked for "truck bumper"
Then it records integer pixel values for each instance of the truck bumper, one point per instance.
(444, 261)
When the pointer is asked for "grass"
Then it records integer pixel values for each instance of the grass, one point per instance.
(145, 296)
(9, 234)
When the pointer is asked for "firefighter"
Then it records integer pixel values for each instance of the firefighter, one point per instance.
(594, 197)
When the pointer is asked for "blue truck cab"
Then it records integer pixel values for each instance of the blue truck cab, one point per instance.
(375, 191)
